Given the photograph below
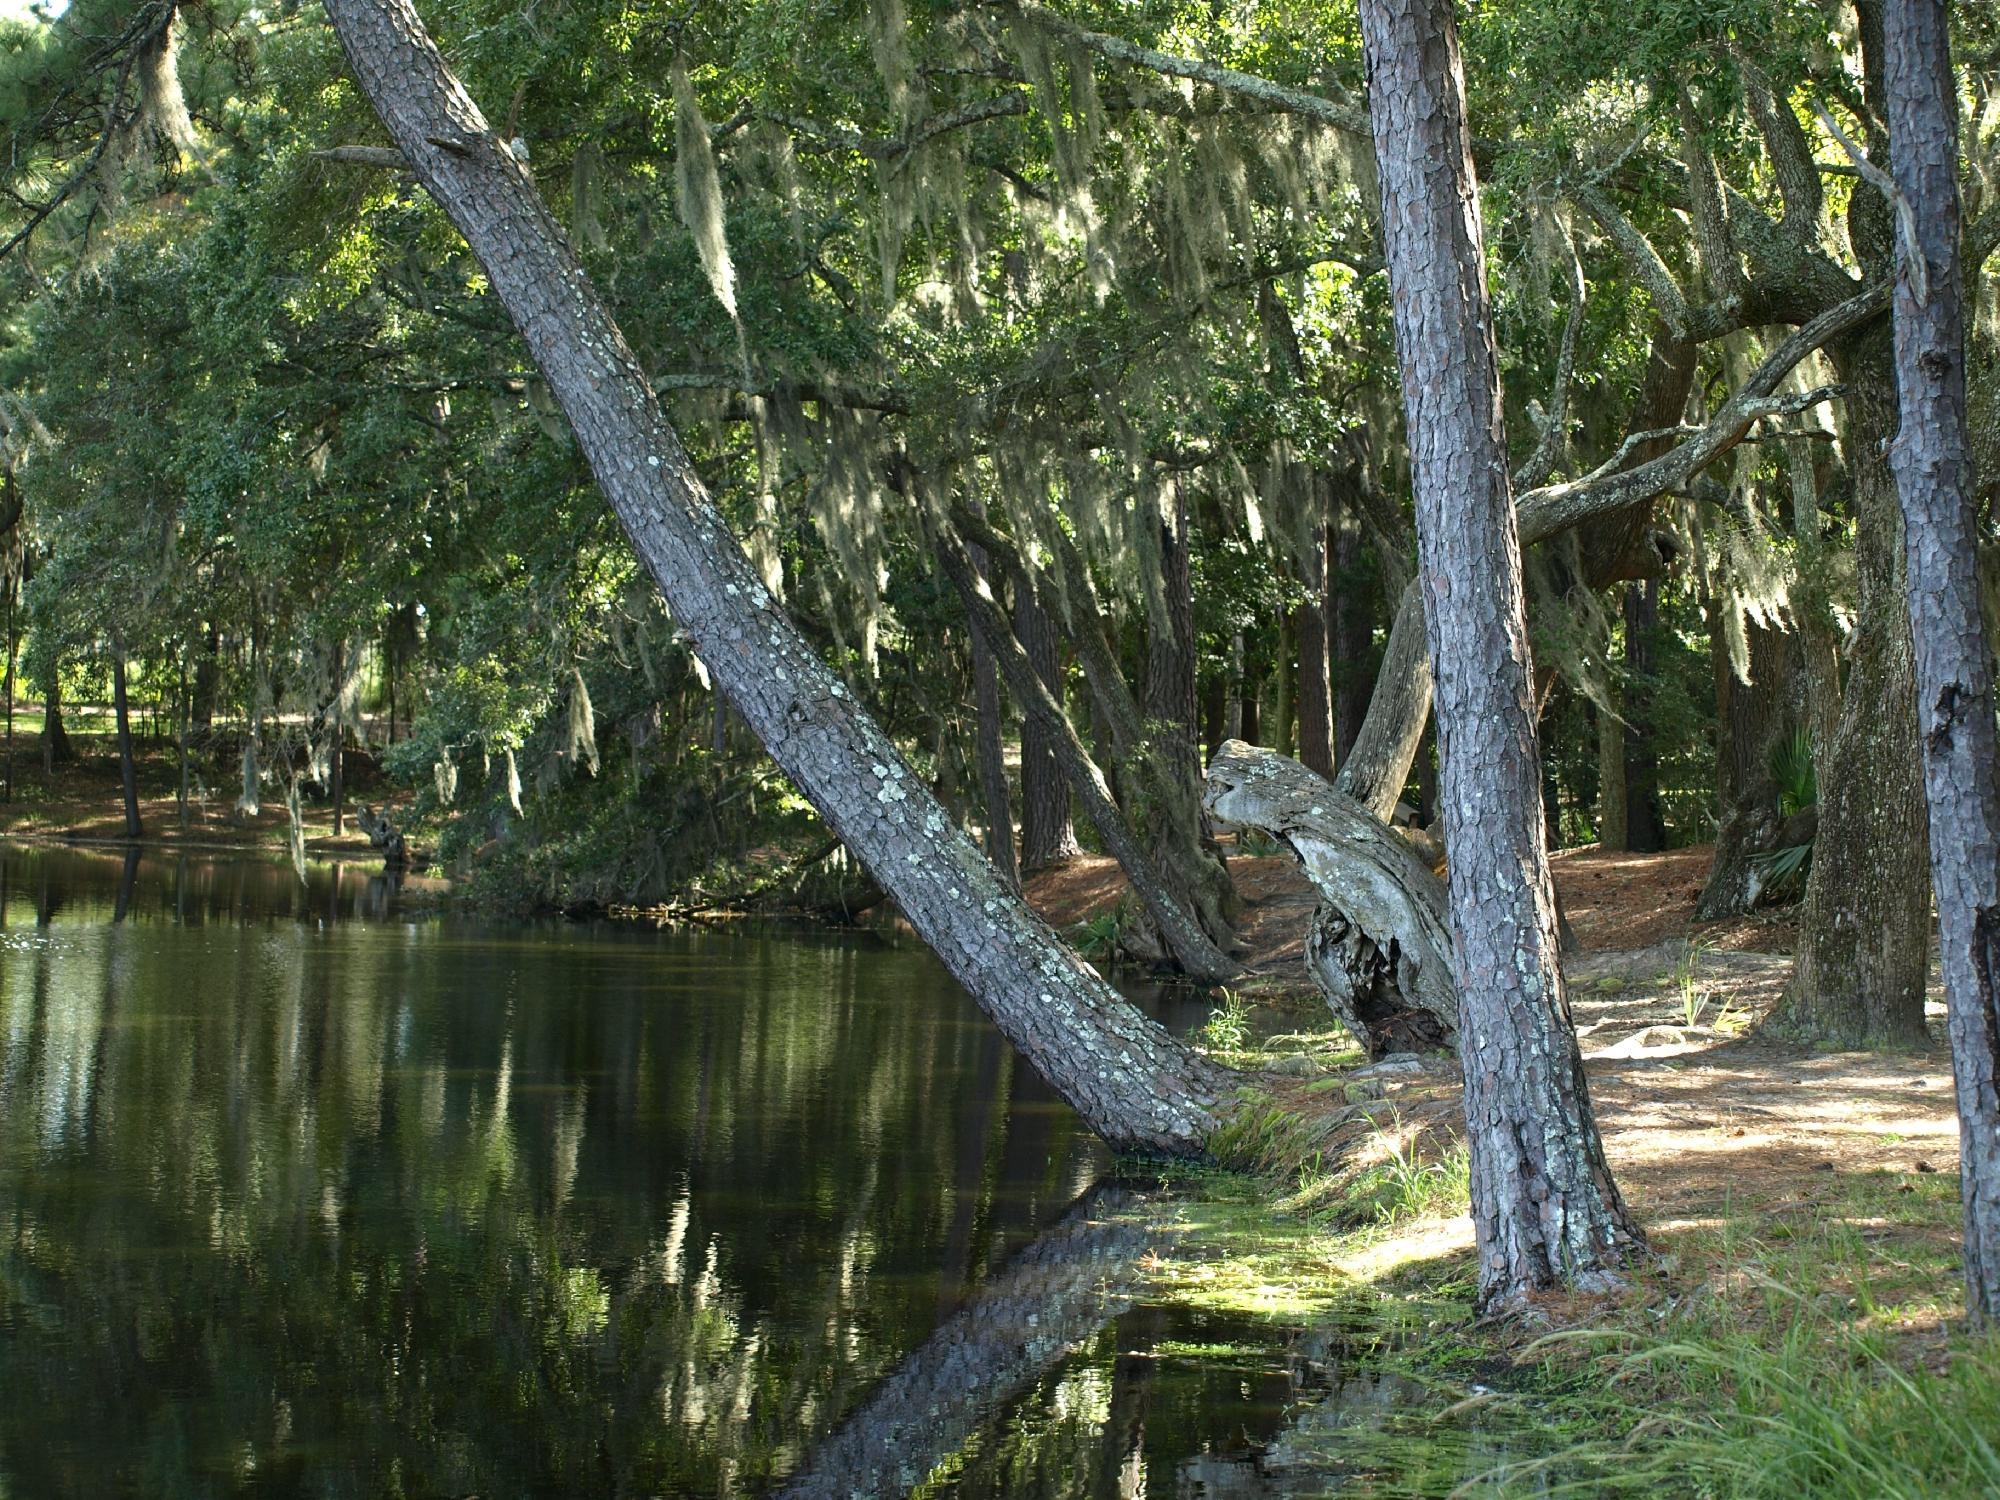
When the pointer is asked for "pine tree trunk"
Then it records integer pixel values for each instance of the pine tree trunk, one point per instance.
(1134, 1084)
(1864, 941)
(1954, 658)
(127, 772)
(1048, 835)
(1544, 1207)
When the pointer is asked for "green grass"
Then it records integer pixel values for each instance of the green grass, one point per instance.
(1791, 1350)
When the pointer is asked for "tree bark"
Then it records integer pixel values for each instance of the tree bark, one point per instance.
(207, 678)
(1749, 718)
(127, 772)
(1156, 778)
(1645, 830)
(1048, 835)
(1378, 767)
(1131, 1082)
(1544, 1206)
(1182, 934)
(1310, 625)
(338, 754)
(12, 652)
(1954, 658)
(56, 748)
(1350, 633)
(1864, 940)
(990, 752)
(1610, 782)
(1380, 942)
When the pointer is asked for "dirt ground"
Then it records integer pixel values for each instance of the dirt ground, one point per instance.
(82, 803)
(1716, 1128)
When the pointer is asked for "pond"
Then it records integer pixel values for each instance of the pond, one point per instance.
(303, 1195)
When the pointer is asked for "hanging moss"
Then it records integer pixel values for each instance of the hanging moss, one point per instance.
(699, 191)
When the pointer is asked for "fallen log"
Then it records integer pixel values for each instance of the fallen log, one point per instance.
(1380, 943)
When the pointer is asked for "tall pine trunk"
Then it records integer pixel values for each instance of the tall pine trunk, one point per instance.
(1954, 659)
(1544, 1207)
(1133, 1083)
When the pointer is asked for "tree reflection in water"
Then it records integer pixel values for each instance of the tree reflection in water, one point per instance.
(292, 1203)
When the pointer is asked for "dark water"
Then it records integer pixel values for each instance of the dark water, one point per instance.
(299, 1196)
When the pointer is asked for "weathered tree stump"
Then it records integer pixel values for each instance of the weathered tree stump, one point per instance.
(384, 835)
(1380, 944)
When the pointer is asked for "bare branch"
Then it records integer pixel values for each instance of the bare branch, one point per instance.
(1640, 255)
(1554, 508)
(1883, 183)
(1791, 154)
(1555, 425)
(1336, 113)
(387, 157)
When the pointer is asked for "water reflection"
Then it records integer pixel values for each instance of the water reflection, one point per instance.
(295, 1203)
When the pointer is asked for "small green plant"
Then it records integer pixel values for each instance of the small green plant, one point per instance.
(1256, 842)
(1097, 938)
(1402, 1185)
(1792, 770)
(1687, 984)
(1228, 1025)
(1784, 870)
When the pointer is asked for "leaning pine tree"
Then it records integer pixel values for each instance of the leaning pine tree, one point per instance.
(1133, 1083)
(1954, 660)
(1544, 1207)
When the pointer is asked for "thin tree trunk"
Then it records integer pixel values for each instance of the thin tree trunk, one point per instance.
(990, 752)
(1749, 718)
(1133, 1083)
(207, 678)
(1377, 768)
(1645, 830)
(127, 770)
(338, 756)
(12, 651)
(1179, 930)
(1234, 697)
(1309, 624)
(1954, 659)
(56, 748)
(1350, 633)
(1048, 835)
(1610, 782)
(186, 710)
(1544, 1206)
